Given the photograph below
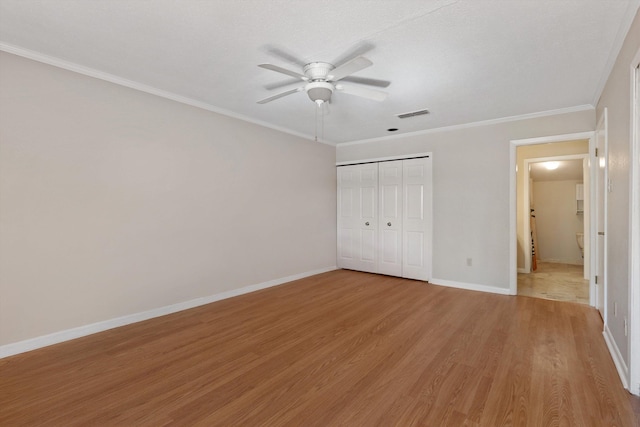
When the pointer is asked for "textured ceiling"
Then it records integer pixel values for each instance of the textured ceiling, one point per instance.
(466, 61)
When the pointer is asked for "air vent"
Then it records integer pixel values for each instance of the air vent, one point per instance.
(413, 114)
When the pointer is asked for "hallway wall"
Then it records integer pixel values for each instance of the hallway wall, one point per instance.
(557, 221)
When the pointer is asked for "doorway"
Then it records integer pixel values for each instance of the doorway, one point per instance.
(538, 150)
(555, 266)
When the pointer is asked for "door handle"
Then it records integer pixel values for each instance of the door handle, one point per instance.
(389, 224)
(366, 223)
(600, 233)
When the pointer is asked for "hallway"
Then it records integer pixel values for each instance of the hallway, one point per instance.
(560, 282)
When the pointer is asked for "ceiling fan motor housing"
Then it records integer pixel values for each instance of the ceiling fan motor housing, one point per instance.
(317, 70)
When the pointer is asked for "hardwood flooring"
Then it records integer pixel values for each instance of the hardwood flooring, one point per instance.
(560, 282)
(338, 349)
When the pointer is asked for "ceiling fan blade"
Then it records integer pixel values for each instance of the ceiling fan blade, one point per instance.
(348, 68)
(284, 55)
(283, 83)
(358, 50)
(374, 95)
(280, 95)
(366, 81)
(283, 71)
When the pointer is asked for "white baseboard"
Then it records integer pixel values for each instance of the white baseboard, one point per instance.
(470, 286)
(623, 370)
(523, 270)
(563, 261)
(81, 331)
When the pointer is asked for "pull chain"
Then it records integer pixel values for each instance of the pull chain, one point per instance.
(322, 124)
(322, 112)
(316, 124)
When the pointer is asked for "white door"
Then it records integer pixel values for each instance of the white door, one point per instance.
(390, 222)
(357, 217)
(348, 202)
(416, 236)
(601, 200)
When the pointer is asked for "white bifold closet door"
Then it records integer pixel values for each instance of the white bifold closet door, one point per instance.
(390, 203)
(357, 216)
(384, 218)
(416, 219)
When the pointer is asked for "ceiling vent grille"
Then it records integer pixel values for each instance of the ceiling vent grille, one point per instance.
(413, 114)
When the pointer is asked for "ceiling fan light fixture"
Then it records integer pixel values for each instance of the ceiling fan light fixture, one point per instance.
(319, 92)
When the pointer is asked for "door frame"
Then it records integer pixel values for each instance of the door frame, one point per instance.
(586, 215)
(385, 159)
(634, 227)
(513, 230)
(602, 125)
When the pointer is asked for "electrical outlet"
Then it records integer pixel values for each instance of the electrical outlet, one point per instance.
(469, 262)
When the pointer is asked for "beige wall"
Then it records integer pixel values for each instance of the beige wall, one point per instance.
(616, 97)
(471, 197)
(114, 202)
(557, 221)
(531, 152)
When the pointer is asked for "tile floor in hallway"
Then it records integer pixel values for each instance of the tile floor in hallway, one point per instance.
(560, 282)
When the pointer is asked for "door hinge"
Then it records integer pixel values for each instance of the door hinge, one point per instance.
(596, 280)
(596, 152)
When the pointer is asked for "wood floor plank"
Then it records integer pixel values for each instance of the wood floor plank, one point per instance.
(340, 348)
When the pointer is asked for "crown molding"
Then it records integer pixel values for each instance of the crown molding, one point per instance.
(111, 78)
(578, 108)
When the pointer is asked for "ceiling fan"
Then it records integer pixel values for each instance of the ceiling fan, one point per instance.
(322, 79)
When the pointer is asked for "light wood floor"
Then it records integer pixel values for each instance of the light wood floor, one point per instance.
(560, 282)
(338, 349)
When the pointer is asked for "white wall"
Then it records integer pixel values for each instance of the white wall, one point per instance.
(617, 98)
(557, 221)
(114, 201)
(471, 190)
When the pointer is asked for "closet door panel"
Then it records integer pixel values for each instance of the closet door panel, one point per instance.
(345, 247)
(348, 215)
(390, 222)
(368, 201)
(368, 248)
(357, 217)
(368, 221)
(415, 202)
(416, 253)
(415, 249)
